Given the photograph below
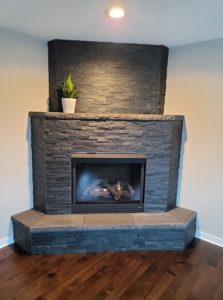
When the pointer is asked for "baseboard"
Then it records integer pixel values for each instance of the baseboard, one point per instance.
(209, 238)
(6, 241)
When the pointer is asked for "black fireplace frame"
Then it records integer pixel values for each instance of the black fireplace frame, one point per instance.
(108, 158)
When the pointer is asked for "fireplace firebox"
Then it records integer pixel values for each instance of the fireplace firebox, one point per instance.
(108, 182)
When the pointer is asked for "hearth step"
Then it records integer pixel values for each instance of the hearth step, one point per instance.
(38, 233)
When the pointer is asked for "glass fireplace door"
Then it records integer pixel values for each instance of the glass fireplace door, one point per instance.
(104, 182)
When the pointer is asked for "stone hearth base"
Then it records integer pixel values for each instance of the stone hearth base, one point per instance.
(38, 233)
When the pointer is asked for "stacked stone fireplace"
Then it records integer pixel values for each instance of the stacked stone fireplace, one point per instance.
(57, 137)
(118, 138)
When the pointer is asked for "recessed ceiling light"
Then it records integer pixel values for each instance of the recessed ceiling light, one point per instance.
(116, 12)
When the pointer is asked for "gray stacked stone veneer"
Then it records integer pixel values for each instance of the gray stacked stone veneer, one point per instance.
(56, 136)
(111, 77)
(38, 233)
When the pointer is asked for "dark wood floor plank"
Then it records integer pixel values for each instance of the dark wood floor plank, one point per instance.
(129, 274)
(219, 292)
(88, 280)
(160, 286)
(217, 277)
(145, 283)
(98, 280)
(184, 279)
(203, 288)
(194, 274)
(45, 278)
(74, 269)
(22, 277)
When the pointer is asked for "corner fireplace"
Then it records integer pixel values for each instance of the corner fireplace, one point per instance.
(108, 182)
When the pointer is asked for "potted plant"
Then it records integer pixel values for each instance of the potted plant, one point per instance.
(69, 94)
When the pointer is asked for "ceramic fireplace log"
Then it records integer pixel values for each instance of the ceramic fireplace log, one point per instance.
(119, 194)
(111, 189)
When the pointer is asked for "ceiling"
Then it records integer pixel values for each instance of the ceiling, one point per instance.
(168, 22)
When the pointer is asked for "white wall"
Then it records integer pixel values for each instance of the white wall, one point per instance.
(23, 88)
(195, 89)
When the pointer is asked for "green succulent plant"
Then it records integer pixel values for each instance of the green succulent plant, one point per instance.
(68, 88)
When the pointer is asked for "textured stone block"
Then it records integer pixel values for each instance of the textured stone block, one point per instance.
(46, 234)
(56, 136)
(111, 77)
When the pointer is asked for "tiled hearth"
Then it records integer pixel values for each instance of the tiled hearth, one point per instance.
(39, 233)
(51, 227)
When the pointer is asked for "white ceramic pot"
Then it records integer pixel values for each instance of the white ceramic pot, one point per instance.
(68, 105)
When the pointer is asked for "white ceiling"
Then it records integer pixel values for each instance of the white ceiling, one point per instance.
(167, 22)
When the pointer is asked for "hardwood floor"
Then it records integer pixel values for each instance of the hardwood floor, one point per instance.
(195, 274)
